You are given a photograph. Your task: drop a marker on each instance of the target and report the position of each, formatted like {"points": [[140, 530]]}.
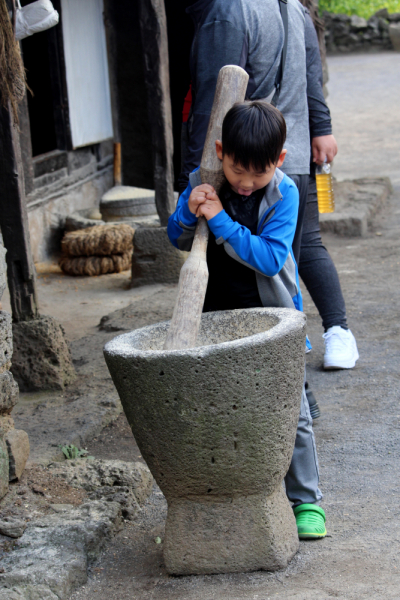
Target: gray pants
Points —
{"points": [[302, 478]]}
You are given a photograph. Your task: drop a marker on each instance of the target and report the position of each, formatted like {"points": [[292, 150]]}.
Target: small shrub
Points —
{"points": [[362, 8], [71, 452]]}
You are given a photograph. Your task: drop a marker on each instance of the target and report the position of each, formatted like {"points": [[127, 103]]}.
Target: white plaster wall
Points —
{"points": [[87, 71]]}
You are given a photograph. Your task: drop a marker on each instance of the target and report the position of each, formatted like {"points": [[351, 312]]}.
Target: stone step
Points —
{"points": [[356, 203]]}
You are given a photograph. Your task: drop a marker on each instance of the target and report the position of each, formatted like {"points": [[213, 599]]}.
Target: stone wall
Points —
{"points": [[14, 444], [64, 182], [348, 34]]}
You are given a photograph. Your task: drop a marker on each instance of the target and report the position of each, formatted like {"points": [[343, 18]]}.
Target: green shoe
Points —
{"points": [[310, 520]]}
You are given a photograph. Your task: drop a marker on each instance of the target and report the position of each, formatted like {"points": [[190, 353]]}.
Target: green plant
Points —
{"points": [[71, 452], [362, 8]]}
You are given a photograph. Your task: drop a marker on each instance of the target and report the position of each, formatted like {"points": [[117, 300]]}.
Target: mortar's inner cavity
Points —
{"points": [[215, 328]]}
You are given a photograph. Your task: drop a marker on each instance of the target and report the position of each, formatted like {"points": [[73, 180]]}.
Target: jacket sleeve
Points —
{"points": [[268, 251], [319, 115], [182, 223], [217, 44]]}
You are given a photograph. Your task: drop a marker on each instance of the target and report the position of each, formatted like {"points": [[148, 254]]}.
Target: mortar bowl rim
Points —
{"points": [[288, 319]]}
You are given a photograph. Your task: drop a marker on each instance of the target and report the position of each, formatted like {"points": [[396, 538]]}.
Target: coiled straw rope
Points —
{"points": [[97, 250]]}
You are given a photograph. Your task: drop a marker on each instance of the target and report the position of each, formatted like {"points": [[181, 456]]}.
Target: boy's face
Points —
{"points": [[244, 182]]}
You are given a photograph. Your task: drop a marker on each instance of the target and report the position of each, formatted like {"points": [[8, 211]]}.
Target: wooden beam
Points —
{"points": [[14, 223], [153, 30], [26, 144], [112, 59], [59, 83]]}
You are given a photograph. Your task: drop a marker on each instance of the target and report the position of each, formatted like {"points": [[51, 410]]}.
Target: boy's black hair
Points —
{"points": [[253, 134]]}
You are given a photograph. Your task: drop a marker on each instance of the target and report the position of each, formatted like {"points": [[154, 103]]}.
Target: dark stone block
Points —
{"points": [[49, 178], [18, 452], [383, 13], [155, 259], [373, 22], [104, 150], [383, 25], [3, 270], [47, 163], [6, 341], [41, 359], [8, 393], [342, 18], [4, 468], [79, 158]]}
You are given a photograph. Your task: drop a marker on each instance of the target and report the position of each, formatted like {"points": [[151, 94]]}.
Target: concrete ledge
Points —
{"points": [[357, 202]]}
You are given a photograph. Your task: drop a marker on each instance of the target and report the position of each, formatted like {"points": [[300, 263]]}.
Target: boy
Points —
{"points": [[250, 257]]}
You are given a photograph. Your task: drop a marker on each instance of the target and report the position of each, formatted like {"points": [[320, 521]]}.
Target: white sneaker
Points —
{"points": [[340, 348]]}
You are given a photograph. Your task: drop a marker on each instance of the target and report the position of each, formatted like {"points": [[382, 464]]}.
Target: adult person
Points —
{"points": [[250, 33], [316, 267]]}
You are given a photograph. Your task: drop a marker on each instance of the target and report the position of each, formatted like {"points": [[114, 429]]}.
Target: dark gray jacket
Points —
{"points": [[250, 33], [319, 115]]}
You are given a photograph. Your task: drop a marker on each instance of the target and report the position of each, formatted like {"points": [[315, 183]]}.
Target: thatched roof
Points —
{"points": [[12, 71]]}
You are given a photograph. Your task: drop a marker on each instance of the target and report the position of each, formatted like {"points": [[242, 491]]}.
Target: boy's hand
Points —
{"points": [[211, 207], [199, 195]]}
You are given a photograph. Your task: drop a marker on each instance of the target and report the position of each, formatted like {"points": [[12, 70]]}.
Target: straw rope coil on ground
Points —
{"points": [[97, 250], [96, 265], [100, 240]]}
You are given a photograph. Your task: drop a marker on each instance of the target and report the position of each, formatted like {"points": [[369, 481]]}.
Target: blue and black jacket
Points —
{"points": [[268, 252]]}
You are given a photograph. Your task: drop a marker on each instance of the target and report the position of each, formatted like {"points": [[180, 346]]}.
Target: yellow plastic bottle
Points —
{"points": [[325, 195]]}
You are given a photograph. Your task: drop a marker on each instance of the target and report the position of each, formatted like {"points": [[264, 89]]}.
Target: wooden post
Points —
{"points": [[14, 223], [111, 39], [153, 29], [25, 144], [117, 164]]}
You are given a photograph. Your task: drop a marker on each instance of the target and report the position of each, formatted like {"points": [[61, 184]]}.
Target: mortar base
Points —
{"points": [[228, 535]]}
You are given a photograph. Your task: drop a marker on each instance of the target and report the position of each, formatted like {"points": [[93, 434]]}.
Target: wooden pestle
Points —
{"points": [[185, 322]]}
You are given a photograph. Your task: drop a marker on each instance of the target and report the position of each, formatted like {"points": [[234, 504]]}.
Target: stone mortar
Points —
{"points": [[216, 425]]}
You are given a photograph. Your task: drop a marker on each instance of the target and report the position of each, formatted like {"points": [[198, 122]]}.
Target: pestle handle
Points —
{"points": [[185, 323], [231, 87]]}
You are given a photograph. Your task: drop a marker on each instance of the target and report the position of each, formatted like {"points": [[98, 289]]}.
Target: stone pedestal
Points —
{"points": [[155, 259], [216, 425]]}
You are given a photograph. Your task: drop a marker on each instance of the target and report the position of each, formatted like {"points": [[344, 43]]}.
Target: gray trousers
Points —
{"points": [[302, 479]]}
